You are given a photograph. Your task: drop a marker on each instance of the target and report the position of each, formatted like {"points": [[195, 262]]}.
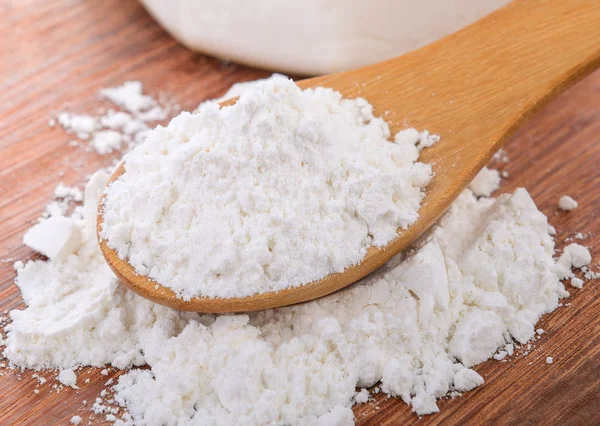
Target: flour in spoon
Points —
{"points": [[278, 190]]}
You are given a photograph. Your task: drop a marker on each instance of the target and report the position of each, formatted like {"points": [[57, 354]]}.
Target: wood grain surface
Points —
{"points": [[55, 55]]}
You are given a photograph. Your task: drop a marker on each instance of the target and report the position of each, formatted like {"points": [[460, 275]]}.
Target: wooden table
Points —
{"points": [[59, 53]]}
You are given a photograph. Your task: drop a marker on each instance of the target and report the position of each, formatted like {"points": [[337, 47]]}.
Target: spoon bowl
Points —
{"points": [[473, 88]]}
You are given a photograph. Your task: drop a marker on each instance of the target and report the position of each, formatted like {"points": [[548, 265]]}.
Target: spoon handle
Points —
{"points": [[482, 82]]}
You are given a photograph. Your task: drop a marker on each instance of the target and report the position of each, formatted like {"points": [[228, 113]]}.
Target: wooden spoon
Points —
{"points": [[473, 88]]}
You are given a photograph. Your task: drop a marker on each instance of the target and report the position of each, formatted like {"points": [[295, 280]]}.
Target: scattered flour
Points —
{"points": [[115, 129], [82, 125], [362, 396], [130, 97], [482, 278], [280, 189], [501, 156], [68, 378], [576, 282], [486, 182], [549, 360], [55, 237], [567, 203], [573, 256], [473, 289], [106, 141], [68, 193]]}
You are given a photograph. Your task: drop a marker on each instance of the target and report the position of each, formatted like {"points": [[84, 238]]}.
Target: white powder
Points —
{"points": [[414, 325], [406, 325], [362, 396], [500, 355], [68, 192], [238, 89], [501, 156], [115, 119], [81, 125], [576, 282], [111, 131], [130, 97], [567, 203], [106, 141], [75, 420], [549, 360], [280, 189], [55, 237], [486, 182], [68, 378], [574, 256]]}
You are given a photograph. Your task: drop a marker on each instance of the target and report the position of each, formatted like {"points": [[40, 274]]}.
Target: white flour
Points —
{"points": [[280, 189], [567, 203], [486, 182], [115, 130], [479, 282]]}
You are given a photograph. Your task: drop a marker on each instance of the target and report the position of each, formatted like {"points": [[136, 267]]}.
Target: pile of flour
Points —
{"points": [[280, 189], [478, 282]]}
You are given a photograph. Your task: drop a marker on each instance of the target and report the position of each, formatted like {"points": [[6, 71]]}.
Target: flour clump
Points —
{"points": [[280, 189], [567, 203]]}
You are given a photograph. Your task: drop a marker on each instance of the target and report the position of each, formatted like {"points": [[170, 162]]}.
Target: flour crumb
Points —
{"points": [[68, 378], [567, 203], [591, 275], [549, 360], [362, 396], [116, 119], [501, 156], [82, 125], [576, 256], [63, 191], [55, 237], [500, 355], [129, 96], [75, 420], [576, 282], [106, 141], [416, 138], [486, 182], [116, 130]]}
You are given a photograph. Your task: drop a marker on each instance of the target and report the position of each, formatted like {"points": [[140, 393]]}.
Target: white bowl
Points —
{"points": [[313, 36]]}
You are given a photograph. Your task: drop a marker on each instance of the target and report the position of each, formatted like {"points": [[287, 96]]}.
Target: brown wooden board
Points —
{"points": [[57, 54]]}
